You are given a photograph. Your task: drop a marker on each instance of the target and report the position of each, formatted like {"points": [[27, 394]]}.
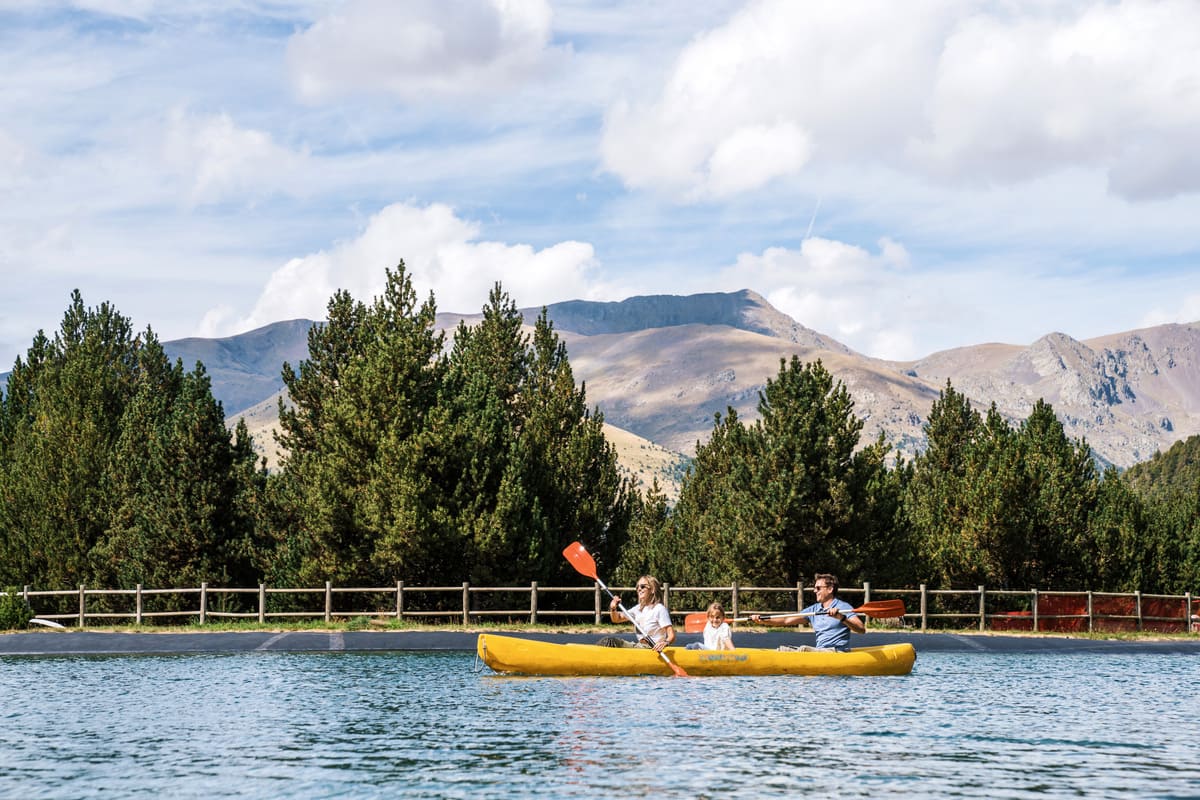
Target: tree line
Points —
{"points": [[407, 456]]}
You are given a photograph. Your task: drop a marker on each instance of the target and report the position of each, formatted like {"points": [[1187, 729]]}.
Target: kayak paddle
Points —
{"points": [[880, 609], [585, 565]]}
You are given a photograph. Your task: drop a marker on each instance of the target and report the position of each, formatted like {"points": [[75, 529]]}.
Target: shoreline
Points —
{"points": [[74, 642]]}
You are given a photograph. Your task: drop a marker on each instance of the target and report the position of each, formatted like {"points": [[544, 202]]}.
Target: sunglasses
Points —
{"points": [[641, 586]]}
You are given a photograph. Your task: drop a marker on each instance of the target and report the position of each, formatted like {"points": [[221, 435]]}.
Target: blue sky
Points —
{"points": [[904, 177]]}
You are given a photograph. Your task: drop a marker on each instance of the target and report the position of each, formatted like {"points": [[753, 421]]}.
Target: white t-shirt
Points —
{"points": [[714, 636], [652, 620]]}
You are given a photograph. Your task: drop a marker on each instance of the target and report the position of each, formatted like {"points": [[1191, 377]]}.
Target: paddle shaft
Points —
{"points": [[693, 623], [624, 611], [579, 558]]}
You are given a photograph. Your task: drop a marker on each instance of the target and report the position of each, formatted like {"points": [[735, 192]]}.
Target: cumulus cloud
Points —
{"points": [[216, 159], [839, 289], [441, 252], [963, 93], [1186, 309], [419, 49]]}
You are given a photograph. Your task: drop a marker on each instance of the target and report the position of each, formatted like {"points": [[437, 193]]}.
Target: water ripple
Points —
{"points": [[425, 725]]}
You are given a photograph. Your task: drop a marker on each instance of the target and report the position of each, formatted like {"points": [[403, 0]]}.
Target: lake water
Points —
{"points": [[422, 724]]}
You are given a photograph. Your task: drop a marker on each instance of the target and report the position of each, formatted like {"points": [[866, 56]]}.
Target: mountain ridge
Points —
{"points": [[662, 366]]}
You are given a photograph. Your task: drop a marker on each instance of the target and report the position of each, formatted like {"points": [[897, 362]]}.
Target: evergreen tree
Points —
{"points": [[650, 548], [993, 546], [406, 462], [114, 465], [63, 414], [936, 494], [567, 466], [1117, 532], [715, 532], [1061, 483], [782, 499], [177, 487], [353, 432]]}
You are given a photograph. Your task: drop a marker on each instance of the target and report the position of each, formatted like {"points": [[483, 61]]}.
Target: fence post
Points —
{"points": [[799, 596], [666, 587], [733, 608], [866, 592], [982, 610], [399, 599], [924, 608], [597, 603], [262, 603], [1187, 611], [466, 603], [1137, 598], [138, 605], [1034, 592], [328, 600], [82, 605], [203, 602], [533, 603], [1089, 602]]}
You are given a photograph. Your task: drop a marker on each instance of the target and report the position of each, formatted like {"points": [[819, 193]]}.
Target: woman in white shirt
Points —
{"points": [[650, 615]]}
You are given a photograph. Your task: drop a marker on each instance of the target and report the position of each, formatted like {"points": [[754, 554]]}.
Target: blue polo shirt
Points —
{"points": [[831, 633]]}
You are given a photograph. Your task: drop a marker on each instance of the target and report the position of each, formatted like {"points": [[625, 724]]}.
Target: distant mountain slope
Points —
{"points": [[660, 367], [1175, 472], [246, 368], [743, 310], [666, 384], [1129, 394]]}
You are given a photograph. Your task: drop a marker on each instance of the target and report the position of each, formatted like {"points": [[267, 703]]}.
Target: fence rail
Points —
{"points": [[986, 609]]}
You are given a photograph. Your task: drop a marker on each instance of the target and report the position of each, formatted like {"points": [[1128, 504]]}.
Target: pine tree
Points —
{"points": [[63, 420], [354, 432], [114, 465], [1061, 483], [716, 534], [936, 494], [781, 499]]}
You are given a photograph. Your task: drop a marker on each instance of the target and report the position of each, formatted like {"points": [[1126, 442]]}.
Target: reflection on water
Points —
{"points": [[426, 725]]}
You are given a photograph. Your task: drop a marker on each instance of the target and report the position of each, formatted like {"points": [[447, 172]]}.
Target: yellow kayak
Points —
{"points": [[511, 654]]}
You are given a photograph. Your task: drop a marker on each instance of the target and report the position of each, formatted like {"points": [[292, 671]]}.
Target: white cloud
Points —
{"points": [[834, 288], [420, 48], [752, 155], [957, 92], [441, 252], [216, 159], [1185, 309]]}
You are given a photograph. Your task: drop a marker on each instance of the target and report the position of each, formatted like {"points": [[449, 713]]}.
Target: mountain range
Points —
{"points": [[660, 368]]}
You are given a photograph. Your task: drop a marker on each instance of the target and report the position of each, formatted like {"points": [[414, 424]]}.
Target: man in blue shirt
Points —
{"points": [[832, 619]]}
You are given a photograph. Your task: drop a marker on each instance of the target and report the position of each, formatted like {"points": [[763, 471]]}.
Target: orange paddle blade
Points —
{"points": [[883, 609], [581, 560]]}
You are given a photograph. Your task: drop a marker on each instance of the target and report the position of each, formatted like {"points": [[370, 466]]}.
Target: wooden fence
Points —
{"points": [[984, 609]]}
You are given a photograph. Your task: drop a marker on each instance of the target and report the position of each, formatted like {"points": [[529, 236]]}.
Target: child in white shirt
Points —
{"points": [[717, 635]]}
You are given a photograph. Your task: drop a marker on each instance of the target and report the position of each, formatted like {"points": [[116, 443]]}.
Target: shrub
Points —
{"points": [[14, 611]]}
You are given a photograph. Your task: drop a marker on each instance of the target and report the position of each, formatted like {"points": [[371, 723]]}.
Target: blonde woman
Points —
{"points": [[649, 615]]}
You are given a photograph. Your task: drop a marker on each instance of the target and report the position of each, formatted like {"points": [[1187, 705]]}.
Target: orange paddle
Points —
{"points": [[585, 565], [880, 609]]}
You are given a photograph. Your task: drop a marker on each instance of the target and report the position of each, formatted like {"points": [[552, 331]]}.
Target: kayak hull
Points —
{"points": [[510, 654]]}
